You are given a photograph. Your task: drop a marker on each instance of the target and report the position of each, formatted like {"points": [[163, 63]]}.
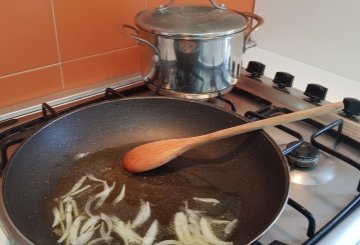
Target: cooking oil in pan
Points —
{"points": [[168, 189]]}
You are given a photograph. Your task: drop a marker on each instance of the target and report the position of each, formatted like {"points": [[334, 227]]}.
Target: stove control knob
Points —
{"points": [[283, 80], [256, 69], [351, 107], [315, 92]]}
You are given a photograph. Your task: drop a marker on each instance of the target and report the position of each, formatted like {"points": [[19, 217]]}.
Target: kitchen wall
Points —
{"points": [[322, 33], [48, 46]]}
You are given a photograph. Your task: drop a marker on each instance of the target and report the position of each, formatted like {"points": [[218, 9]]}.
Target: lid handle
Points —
{"points": [[213, 2]]}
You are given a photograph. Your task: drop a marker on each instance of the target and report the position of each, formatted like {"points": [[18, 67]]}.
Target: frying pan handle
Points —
{"points": [[213, 2], [123, 29], [259, 21]]}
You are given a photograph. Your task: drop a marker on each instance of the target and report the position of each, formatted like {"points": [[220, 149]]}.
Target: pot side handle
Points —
{"points": [[122, 28], [259, 21], [213, 2]]}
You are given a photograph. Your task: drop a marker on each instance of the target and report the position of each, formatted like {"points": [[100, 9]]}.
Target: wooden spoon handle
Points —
{"points": [[155, 154], [272, 121]]}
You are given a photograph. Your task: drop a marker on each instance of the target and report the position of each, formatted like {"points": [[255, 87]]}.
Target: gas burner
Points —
{"points": [[310, 165], [306, 156]]}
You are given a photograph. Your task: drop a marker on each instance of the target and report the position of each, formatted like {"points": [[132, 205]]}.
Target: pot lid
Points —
{"points": [[191, 21]]}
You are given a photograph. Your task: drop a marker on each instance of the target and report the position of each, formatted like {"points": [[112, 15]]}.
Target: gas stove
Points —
{"points": [[323, 152]]}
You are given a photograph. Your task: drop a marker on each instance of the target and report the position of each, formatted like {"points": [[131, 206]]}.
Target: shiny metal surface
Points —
{"points": [[193, 68], [191, 21], [213, 2], [192, 51], [323, 200], [322, 173]]}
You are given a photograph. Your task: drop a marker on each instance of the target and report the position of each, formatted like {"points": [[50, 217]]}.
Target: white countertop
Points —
{"points": [[338, 87]]}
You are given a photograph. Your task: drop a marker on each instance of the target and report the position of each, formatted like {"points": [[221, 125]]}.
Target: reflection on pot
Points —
{"points": [[197, 66]]}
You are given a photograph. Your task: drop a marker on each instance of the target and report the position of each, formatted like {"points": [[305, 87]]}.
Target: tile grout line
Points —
{"points": [[29, 70], [57, 44], [99, 54], [55, 64]]}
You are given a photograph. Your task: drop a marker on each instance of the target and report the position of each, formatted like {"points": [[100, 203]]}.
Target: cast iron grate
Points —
{"points": [[315, 237]]}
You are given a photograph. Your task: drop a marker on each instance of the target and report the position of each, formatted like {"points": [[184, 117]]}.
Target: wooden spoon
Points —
{"points": [[154, 154]]}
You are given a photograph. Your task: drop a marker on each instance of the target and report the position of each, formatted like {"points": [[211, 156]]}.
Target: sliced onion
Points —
{"points": [[219, 221], [103, 232], [69, 220], [207, 200], [62, 210], [181, 228], [97, 240], [120, 197], [168, 242], [89, 224], [93, 178], [132, 235], [57, 220], [62, 226], [104, 194], [75, 208], [119, 228], [85, 237], [209, 234], [76, 186], [90, 200], [108, 222], [143, 214], [193, 215], [151, 233], [230, 227], [69, 197], [74, 230]]}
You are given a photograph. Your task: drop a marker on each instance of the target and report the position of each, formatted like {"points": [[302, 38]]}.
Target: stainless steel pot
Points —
{"points": [[192, 51]]}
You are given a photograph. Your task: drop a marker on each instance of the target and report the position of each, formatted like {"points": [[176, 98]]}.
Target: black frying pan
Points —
{"points": [[247, 172]]}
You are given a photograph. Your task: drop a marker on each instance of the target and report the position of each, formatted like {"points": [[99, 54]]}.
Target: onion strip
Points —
{"points": [[84, 238], [93, 178], [74, 230], [89, 224], [119, 228], [143, 214], [108, 222], [76, 186], [207, 200], [102, 196], [90, 200], [97, 240], [132, 235], [168, 242], [62, 210], [120, 197], [57, 220], [103, 232], [209, 234], [181, 228], [69, 220], [75, 208], [151, 233], [69, 197], [230, 227]]}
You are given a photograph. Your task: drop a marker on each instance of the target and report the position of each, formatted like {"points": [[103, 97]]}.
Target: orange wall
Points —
{"points": [[47, 46]]}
